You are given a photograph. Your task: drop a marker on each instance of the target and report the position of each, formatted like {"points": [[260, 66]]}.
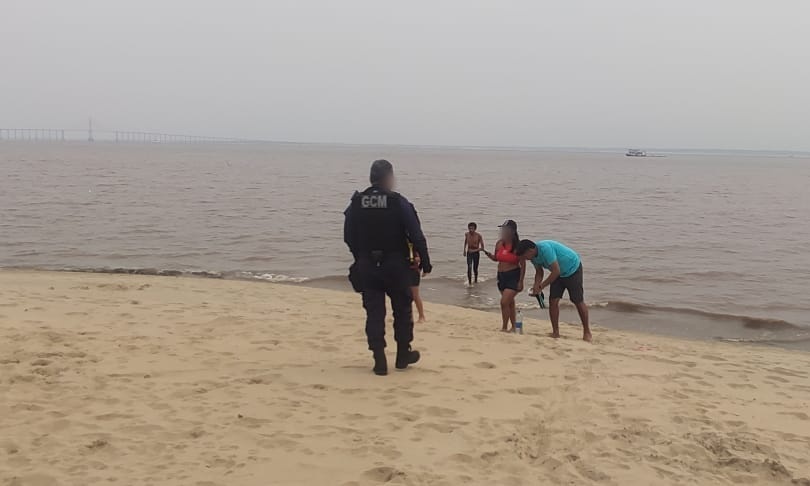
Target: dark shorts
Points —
{"points": [[414, 277], [509, 280], [572, 283]]}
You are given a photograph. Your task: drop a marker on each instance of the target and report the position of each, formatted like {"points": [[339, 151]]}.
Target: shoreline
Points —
{"points": [[131, 378], [701, 326]]}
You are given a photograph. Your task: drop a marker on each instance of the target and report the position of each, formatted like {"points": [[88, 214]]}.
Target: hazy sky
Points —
{"points": [[620, 73]]}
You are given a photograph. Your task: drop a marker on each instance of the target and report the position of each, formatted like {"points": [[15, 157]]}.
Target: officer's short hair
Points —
{"points": [[380, 169]]}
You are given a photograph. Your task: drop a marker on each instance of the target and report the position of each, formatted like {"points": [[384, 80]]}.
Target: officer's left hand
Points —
{"points": [[426, 269]]}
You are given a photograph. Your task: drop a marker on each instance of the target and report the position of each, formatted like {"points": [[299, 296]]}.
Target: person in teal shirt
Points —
{"points": [[565, 273]]}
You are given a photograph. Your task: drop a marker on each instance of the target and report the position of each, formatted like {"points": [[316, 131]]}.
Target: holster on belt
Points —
{"points": [[355, 275]]}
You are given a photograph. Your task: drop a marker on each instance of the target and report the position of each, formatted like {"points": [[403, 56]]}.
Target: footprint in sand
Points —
{"points": [[485, 365], [384, 474], [442, 428], [408, 417], [251, 422], [37, 479], [742, 385], [440, 412], [451, 367], [21, 379], [97, 444], [351, 417], [798, 415], [462, 458], [787, 372]]}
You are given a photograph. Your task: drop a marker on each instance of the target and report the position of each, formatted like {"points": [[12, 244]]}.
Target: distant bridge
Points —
{"points": [[117, 136]]}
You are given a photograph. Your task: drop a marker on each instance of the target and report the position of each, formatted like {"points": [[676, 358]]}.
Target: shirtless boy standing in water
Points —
{"points": [[473, 244]]}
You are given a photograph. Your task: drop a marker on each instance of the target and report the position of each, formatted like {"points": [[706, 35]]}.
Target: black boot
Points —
{"points": [[406, 356], [380, 362]]}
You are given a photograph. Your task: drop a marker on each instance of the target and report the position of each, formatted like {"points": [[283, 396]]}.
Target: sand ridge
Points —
{"points": [[113, 379]]}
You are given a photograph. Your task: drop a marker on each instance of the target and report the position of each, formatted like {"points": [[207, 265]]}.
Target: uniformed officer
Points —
{"points": [[379, 224]]}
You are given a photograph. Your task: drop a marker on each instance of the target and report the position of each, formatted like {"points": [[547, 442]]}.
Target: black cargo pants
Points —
{"points": [[389, 276]]}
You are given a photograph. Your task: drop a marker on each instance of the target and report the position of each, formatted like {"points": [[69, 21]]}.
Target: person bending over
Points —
{"points": [[565, 273]]}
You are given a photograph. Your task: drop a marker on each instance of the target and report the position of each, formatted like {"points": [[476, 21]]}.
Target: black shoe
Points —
{"points": [[380, 363], [406, 356]]}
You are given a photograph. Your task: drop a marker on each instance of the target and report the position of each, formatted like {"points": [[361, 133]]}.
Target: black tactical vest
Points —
{"points": [[378, 224]]}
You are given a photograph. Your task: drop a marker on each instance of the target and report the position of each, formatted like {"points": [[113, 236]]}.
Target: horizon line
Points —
{"points": [[561, 148]]}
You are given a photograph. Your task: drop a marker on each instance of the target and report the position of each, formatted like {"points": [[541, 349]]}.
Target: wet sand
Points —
{"points": [[120, 379]]}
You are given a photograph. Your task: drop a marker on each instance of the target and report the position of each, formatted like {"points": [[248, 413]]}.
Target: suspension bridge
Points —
{"points": [[90, 134]]}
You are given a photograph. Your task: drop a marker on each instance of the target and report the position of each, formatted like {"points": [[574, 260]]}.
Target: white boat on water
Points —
{"points": [[636, 153]]}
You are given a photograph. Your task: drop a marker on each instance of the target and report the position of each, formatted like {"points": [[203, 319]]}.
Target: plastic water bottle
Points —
{"points": [[519, 323]]}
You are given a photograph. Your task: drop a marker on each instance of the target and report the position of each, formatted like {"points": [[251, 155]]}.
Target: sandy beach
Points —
{"points": [[114, 379]]}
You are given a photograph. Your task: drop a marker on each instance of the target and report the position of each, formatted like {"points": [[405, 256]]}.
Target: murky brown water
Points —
{"points": [[700, 246]]}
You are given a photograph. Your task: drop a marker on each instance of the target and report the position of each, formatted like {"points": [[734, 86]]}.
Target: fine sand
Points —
{"points": [[111, 379]]}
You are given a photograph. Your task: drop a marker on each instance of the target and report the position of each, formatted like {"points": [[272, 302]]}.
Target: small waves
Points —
{"points": [[774, 342], [167, 272], [687, 277], [270, 277], [443, 288], [748, 321], [140, 271], [429, 280]]}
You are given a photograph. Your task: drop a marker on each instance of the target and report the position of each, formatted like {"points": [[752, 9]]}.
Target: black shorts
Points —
{"points": [[509, 280], [414, 277], [571, 283]]}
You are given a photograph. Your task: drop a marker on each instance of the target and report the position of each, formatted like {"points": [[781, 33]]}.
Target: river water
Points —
{"points": [[702, 246]]}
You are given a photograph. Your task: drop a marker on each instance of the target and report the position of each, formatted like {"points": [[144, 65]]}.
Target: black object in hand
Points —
{"points": [[541, 299]]}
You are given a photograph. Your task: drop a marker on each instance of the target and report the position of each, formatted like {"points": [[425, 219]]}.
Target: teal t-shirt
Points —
{"points": [[550, 251]]}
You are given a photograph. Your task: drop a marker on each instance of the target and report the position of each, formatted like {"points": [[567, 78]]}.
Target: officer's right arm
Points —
{"points": [[415, 235]]}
